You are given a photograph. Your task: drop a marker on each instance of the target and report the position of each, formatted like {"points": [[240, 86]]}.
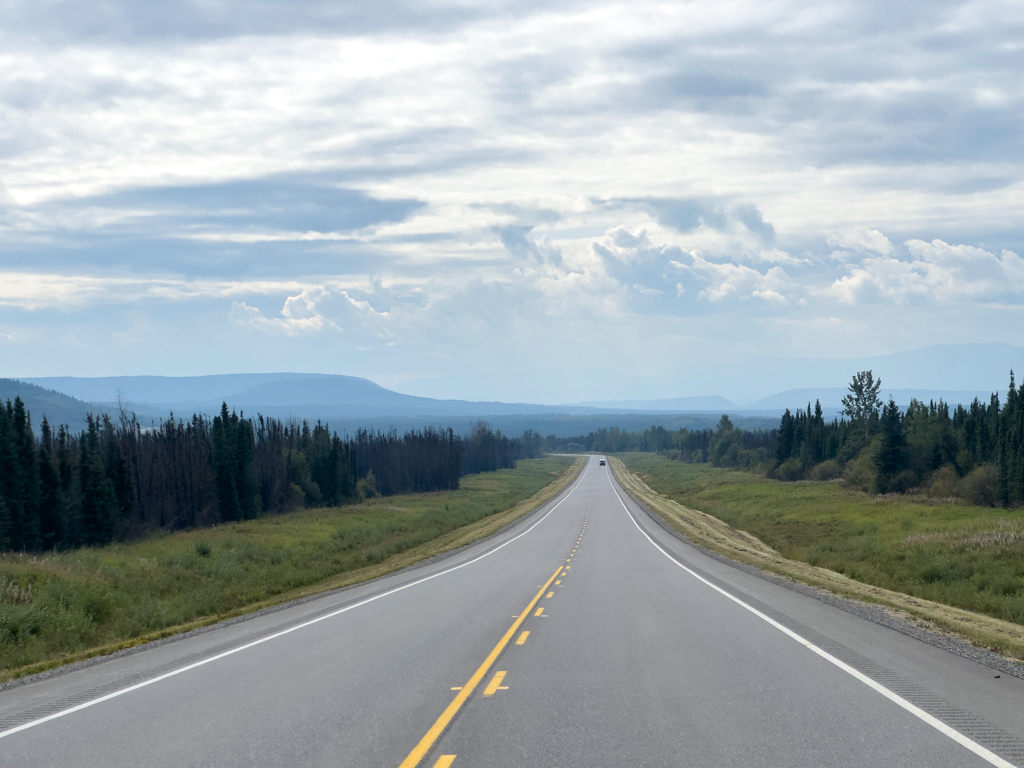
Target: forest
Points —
{"points": [[119, 481], [725, 446], [974, 452]]}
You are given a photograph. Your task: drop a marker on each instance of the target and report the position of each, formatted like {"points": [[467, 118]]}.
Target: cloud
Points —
{"points": [[864, 240], [298, 316], [60, 20], [42, 291], [721, 281], [525, 250], [936, 273], [466, 181], [267, 205], [667, 279], [689, 214]]}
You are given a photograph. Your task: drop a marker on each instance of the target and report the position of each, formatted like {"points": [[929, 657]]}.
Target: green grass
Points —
{"points": [[54, 606], [968, 557]]}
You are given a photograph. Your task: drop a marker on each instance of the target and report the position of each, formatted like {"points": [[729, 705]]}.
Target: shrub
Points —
{"points": [[367, 487], [860, 473], [203, 548], [981, 487], [790, 470], [827, 470], [903, 482], [945, 483]]}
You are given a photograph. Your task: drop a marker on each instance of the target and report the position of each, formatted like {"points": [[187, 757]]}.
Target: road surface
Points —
{"points": [[583, 636]]}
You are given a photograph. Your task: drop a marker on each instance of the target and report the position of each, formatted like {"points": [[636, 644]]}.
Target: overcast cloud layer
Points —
{"points": [[510, 201]]}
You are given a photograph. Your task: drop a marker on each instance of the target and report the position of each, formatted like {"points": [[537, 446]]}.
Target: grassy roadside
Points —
{"points": [[958, 568], [60, 608]]}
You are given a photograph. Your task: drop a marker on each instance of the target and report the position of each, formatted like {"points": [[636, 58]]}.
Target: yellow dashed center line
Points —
{"points": [[495, 684], [430, 737], [444, 761], [522, 638]]}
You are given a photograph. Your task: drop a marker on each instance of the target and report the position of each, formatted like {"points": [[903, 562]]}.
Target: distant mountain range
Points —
{"points": [[957, 373], [981, 368], [281, 394], [832, 398], [57, 407], [677, 404]]}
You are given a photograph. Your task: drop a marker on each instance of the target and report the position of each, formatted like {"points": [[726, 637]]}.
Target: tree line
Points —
{"points": [[725, 446], [116, 481], [974, 452]]}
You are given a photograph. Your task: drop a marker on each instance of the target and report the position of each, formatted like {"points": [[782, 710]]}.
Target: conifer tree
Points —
{"points": [[51, 506], [893, 456], [97, 493]]}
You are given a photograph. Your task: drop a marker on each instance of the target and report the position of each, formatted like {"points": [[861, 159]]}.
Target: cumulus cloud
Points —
{"points": [[298, 316], [936, 272], [526, 250], [639, 264], [863, 240], [721, 281], [451, 178]]}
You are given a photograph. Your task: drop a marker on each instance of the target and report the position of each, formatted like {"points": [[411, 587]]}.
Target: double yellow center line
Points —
{"points": [[431, 737]]}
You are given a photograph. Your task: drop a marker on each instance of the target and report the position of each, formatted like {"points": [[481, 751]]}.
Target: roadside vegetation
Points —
{"points": [[121, 482], [965, 556], [970, 454], [59, 606]]}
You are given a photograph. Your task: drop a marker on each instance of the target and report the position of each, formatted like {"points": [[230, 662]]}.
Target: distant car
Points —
{"points": [[602, 462]]}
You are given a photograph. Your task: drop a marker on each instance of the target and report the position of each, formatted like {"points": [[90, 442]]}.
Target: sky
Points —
{"points": [[505, 201]]}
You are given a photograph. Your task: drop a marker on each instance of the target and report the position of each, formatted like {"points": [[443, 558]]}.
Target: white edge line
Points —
{"points": [[913, 709], [303, 625]]}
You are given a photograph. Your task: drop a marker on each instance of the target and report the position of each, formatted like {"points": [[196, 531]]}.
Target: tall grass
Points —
{"points": [[58, 604], [965, 556]]}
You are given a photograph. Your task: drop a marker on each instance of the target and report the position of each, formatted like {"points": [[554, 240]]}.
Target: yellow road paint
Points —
{"points": [[540, 611], [456, 687], [550, 594], [445, 761], [430, 737], [522, 637], [558, 582], [495, 684]]}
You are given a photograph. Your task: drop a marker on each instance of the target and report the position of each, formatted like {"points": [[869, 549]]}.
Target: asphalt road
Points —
{"points": [[641, 651]]}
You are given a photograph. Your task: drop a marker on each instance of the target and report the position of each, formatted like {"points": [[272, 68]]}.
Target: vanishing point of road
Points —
{"points": [[585, 635]]}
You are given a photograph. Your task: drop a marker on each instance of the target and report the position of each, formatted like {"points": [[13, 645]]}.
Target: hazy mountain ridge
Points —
{"points": [[56, 406], [353, 401], [943, 367]]}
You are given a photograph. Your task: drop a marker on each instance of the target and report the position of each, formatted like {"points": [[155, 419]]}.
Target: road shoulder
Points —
{"points": [[995, 643]]}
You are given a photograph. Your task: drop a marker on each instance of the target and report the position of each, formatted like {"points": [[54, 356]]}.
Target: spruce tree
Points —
{"points": [[26, 445], [893, 456], [97, 494], [51, 512]]}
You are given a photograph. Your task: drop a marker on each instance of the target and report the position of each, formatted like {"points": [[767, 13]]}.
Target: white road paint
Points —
{"points": [[933, 721], [274, 636]]}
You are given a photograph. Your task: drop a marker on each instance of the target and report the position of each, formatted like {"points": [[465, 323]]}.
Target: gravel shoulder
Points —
{"points": [[993, 642]]}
